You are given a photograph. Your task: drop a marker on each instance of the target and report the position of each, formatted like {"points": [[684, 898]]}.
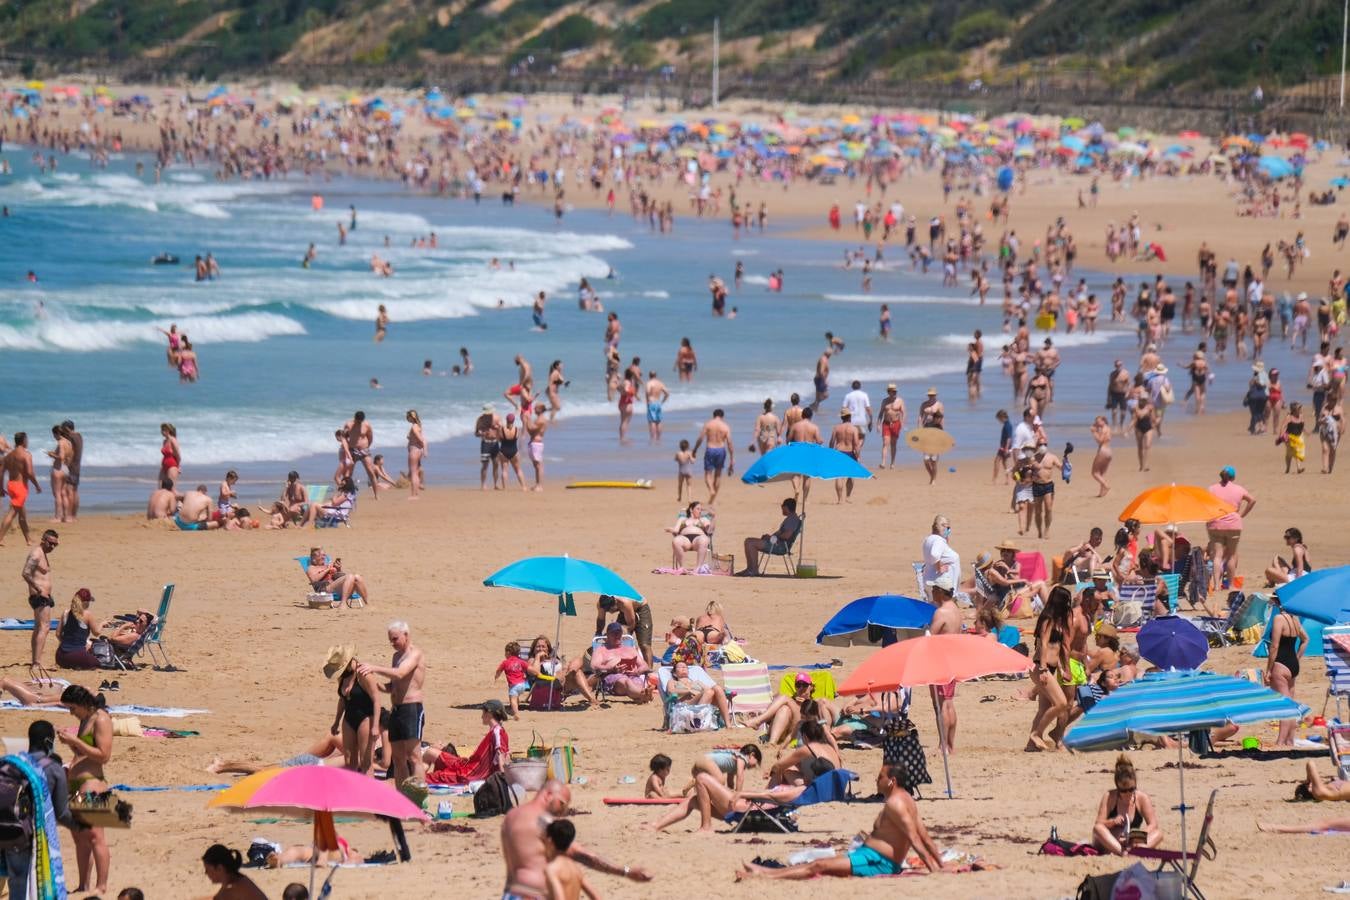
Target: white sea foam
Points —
{"points": [[906, 299], [199, 199], [755, 279], [1077, 339], [60, 332], [657, 295]]}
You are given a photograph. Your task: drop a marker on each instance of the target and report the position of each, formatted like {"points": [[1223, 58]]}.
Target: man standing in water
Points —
{"points": [[360, 438], [523, 845], [657, 395], [16, 470], [37, 574], [406, 674], [892, 425], [822, 378], [719, 453]]}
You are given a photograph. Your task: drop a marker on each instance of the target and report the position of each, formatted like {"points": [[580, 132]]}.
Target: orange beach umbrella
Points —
{"points": [[1172, 503]]}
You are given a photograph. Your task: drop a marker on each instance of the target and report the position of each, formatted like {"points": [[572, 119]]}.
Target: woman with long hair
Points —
{"points": [[417, 451], [90, 747], [1052, 663], [1125, 817]]}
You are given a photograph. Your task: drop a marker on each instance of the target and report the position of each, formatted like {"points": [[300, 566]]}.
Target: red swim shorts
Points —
{"points": [[891, 430], [18, 493]]}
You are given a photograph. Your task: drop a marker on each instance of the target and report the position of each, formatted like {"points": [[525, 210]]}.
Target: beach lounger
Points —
{"points": [[702, 712], [782, 549], [749, 681], [1031, 565], [152, 642], [832, 787], [1177, 859], [356, 599], [1338, 742], [1336, 655], [1173, 584]]}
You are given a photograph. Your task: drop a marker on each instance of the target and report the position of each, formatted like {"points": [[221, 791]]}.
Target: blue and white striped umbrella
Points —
{"points": [[1163, 703]]}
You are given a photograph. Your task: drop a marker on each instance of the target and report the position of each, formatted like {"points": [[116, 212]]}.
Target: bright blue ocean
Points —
{"points": [[286, 354]]}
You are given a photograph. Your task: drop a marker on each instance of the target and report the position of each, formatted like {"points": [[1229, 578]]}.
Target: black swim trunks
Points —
{"points": [[37, 601], [487, 450], [405, 722], [1042, 490]]}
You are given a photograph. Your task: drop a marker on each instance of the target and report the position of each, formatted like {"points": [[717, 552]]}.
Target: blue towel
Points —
{"points": [[22, 624]]}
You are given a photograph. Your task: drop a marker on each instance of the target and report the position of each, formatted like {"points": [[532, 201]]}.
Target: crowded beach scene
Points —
{"points": [[1005, 556]]}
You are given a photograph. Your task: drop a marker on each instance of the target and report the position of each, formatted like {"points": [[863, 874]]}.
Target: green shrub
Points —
{"points": [[978, 28]]}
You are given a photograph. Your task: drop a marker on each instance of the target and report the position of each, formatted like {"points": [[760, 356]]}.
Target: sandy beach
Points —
{"points": [[251, 653]]}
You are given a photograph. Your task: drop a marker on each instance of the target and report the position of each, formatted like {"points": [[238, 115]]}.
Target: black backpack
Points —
{"points": [[16, 808], [494, 798], [1097, 887]]}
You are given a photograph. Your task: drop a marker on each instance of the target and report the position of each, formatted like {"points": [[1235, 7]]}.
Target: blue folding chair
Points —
{"points": [[304, 567], [835, 786]]}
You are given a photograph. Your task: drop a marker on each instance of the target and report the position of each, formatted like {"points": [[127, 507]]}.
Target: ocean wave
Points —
{"points": [[755, 279], [199, 199], [906, 299], [657, 295], [56, 332], [1077, 339]]}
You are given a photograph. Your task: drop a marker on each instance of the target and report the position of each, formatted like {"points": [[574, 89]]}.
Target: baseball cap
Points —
{"points": [[803, 678], [1229, 471], [614, 626]]}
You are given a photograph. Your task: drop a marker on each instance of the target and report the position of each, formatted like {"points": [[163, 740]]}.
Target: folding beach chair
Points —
{"points": [[832, 787], [1218, 630], [1338, 742], [1177, 859], [356, 601], [1336, 655], [698, 675], [596, 643], [1144, 595], [153, 639], [782, 549], [333, 516], [1031, 565], [1173, 584], [749, 682]]}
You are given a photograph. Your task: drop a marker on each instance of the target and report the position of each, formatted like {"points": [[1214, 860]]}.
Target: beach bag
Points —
{"points": [[561, 757], [1135, 883], [1127, 614], [762, 820], [494, 798], [687, 718], [546, 694], [1097, 887], [16, 808], [900, 744], [103, 652], [1057, 846]]}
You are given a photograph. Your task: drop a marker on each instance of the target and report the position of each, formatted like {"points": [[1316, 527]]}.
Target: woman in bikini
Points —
{"points": [[171, 454], [767, 428], [712, 625], [692, 531], [1125, 817], [686, 362], [417, 451], [813, 757], [556, 380], [784, 713], [60, 457], [1290, 642], [1143, 429], [1101, 433], [1051, 658], [90, 748]]}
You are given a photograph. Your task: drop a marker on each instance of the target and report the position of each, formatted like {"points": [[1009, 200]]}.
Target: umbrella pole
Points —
{"points": [[942, 738], [1185, 847], [557, 651]]}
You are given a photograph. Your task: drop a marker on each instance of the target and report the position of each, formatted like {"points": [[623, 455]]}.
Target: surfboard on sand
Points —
{"points": [[931, 441], [640, 484]]}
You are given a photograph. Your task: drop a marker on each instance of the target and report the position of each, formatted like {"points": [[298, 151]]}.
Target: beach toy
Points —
{"points": [[1319, 722], [1251, 743], [930, 441]]}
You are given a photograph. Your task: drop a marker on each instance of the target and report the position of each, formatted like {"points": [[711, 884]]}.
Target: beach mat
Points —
{"points": [[23, 624], [163, 712], [643, 801]]}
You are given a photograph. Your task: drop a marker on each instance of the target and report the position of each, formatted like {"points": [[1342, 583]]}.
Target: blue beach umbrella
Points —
{"points": [[1072, 142], [873, 621], [1173, 703], [1005, 178], [807, 460], [1275, 167], [1171, 642], [1323, 595]]}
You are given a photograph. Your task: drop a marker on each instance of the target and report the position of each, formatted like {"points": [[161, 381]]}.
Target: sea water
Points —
{"points": [[287, 353]]}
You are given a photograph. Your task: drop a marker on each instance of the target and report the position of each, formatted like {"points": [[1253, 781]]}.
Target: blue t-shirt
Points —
{"points": [[1006, 435]]}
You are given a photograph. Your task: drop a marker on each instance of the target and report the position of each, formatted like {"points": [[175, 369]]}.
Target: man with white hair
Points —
{"points": [[406, 674], [941, 564]]}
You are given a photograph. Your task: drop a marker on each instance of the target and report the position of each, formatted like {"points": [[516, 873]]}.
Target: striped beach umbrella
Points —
{"points": [[1174, 703]]}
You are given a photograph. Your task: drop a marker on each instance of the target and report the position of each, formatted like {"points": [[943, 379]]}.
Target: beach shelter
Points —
{"points": [[1173, 704], [561, 577], [320, 792], [934, 660], [1323, 595], [805, 460], [1170, 504], [879, 620]]}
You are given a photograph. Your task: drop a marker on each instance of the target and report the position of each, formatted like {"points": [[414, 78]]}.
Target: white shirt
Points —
{"points": [[1023, 435], [936, 550], [859, 406]]}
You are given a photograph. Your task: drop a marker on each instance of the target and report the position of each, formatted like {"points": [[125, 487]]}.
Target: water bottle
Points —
{"points": [[443, 810]]}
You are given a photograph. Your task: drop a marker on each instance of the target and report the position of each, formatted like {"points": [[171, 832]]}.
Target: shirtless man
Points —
{"points": [[360, 438], [406, 674], [163, 501], [488, 430], [719, 452], [1043, 488], [535, 426], [524, 374], [846, 438], [892, 425], [194, 512], [804, 429], [16, 470], [1117, 389], [1047, 361], [822, 378], [37, 575], [896, 831], [526, 856], [946, 620], [657, 395]]}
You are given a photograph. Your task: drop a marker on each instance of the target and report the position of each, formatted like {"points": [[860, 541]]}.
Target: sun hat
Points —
{"points": [[1108, 629], [984, 561], [488, 407], [339, 657], [1160, 369], [932, 392], [1007, 544], [890, 387]]}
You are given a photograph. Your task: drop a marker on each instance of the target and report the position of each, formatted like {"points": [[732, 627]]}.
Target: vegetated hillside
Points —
{"points": [[1159, 43]]}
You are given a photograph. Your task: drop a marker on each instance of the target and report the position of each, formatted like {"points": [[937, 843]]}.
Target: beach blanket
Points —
{"points": [[450, 790], [163, 712], [666, 570], [23, 624], [46, 874]]}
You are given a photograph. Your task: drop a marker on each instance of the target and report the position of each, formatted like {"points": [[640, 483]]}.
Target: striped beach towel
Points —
{"points": [[46, 874], [750, 681]]}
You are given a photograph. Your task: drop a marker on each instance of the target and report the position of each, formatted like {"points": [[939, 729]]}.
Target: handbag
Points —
{"points": [[900, 744], [561, 757]]}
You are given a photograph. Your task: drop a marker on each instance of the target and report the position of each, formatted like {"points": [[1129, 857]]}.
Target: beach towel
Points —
{"points": [[451, 769], [642, 801], [23, 624], [159, 789], [822, 681], [46, 874], [163, 712], [750, 684], [666, 570]]}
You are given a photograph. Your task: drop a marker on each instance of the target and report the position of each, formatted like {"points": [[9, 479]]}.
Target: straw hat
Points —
{"points": [[984, 561], [488, 407], [1160, 369], [1008, 544], [339, 657], [932, 392]]}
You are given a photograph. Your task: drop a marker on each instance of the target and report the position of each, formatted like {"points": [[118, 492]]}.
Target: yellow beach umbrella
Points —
{"points": [[850, 119], [236, 795], [36, 85]]}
